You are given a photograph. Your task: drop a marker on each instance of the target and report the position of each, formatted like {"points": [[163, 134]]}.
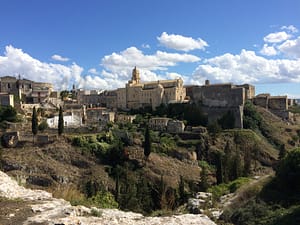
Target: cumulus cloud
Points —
{"points": [[60, 58], [121, 64], [182, 43], [290, 28], [268, 50], [246, 67], [93, 71], [291, 48], [277, 37], [15, 62]]}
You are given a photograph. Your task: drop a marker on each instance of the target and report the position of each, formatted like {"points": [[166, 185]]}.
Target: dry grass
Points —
{"points": [[69, 193]]}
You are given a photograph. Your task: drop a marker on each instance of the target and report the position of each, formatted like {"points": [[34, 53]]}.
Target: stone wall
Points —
{"points": [[215, 113]]}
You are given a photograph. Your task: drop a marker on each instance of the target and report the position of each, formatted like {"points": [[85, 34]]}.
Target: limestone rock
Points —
{"points": [[49, 210]]}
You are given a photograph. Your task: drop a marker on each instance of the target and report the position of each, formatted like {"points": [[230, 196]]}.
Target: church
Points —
{"points": [[137, 94]]}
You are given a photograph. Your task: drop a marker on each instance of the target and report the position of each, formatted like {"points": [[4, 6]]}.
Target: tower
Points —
{"points": [[135, 76]]}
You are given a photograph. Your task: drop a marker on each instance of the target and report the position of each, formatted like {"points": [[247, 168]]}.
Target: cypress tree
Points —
{"points": [[219, 168], [147, 143], [182, 195], [60, 121], [282, 151], [34, 123]]}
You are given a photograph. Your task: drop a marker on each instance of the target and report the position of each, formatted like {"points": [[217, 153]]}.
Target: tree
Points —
{"points": [[219, 168], [34, 123], [64, 94], [43, 126], [204, 185], [288, 171], [147, 143], [60, 121], [8, 113], [282, 151], [181, 192]]}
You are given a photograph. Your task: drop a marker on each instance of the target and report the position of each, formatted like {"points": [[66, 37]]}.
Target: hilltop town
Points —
{"points": [[84, 108], [209, 146]]}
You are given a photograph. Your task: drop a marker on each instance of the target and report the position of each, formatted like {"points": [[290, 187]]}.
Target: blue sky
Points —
{"points": [[96, 43]]}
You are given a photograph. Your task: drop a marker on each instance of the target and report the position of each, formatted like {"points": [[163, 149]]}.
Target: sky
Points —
{"points": [[95, 44]]}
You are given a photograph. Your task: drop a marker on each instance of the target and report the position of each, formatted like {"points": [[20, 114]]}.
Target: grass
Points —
{"points": [[227, 188]]}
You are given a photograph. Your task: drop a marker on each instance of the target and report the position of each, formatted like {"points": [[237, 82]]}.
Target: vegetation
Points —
{"points": [[8, 113], [147, 143], [43, 126], [226, 188], [278, 202], [60, 121], [34, 122]]}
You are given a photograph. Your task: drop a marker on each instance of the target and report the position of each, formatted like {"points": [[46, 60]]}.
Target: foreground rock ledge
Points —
{"points": [[49, 210]]}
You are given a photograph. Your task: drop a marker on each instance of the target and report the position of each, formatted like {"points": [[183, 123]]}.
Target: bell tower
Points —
{"points": [[135, 79]]}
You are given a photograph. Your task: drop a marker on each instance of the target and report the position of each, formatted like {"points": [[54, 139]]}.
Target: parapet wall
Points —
{"points": [[224, 95]]}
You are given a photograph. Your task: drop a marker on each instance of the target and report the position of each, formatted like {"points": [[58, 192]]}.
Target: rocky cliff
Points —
{"points": [[44, 209]]}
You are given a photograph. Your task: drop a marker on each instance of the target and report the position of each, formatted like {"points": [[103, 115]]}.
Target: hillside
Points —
{"points": [[108, 169]]}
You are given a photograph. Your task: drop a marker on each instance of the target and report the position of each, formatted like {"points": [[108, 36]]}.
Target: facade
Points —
{"points": [[278, 105], [6, 99], [166, 124], [99, 115], [137, 94], [26, 90], [123, 118], [159, 123], [70, 120], [218, 99]]}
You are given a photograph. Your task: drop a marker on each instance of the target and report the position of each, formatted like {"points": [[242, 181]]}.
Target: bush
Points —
{"points": [[43, 126], [288, 171], [104, 199]]}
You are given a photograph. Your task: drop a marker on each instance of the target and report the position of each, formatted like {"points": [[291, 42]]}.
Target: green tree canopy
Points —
{"points": [[288, 171]]}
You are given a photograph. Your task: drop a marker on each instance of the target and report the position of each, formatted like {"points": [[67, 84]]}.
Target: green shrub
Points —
{"points": [[43, 126], [104, 199]]}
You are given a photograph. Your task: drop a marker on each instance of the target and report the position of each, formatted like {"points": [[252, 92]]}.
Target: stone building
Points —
{"points": [[99, 115], [137, 94], [26, 90], [278, 105], [6, 99], [166, 124], [123, 118], [218, 99]]}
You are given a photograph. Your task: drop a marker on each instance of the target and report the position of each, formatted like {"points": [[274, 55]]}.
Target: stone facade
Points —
{"points": [[278, 105], [137, 94], [166, 124], [217, 99], [159, 123], [99, 115], [6, 99], [28, 91], [123, 118]]}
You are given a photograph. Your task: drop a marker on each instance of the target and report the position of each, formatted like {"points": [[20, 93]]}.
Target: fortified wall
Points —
{"points": [[278, 105], [217, 99]]}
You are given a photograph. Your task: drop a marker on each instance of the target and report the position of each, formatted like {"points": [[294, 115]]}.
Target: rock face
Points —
{"points": [[49, 210]]}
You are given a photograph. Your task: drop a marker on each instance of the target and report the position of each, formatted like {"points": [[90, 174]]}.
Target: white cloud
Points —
{"points": [[93, 71], [120, 65], [182, 43], [246, 67], [291, 48], [268, 50], [290, 28], [15, 61], [146, 46], [60, 58], [276, 37]]}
